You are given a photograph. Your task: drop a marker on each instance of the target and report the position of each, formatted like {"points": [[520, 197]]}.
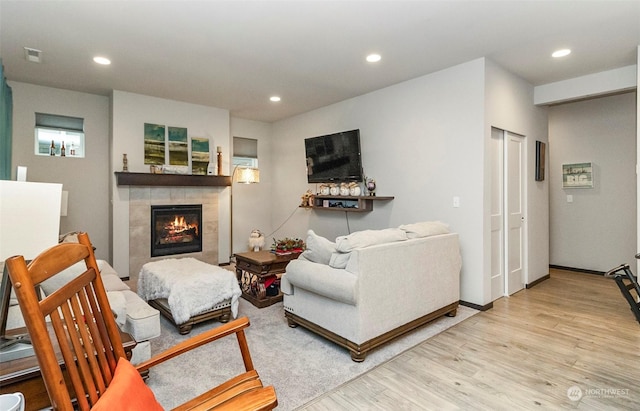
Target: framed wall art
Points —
{"points": [[178, 146], [541, 150], [577, 175], [154, 144], [199, 155]]}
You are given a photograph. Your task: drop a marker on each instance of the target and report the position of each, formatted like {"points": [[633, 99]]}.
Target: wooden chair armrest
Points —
{"points": [[261, 399], [232, 327]]}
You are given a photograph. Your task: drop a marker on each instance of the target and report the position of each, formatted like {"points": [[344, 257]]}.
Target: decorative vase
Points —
{"points": [[324, 190], [355, 191], [125, 163], [334, 190], [219, 151], [344, 189]]}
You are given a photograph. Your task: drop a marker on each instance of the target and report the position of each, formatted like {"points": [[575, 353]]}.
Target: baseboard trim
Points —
{"points": [[532, 284], [476, 306], [581, 270], [538, 281]]}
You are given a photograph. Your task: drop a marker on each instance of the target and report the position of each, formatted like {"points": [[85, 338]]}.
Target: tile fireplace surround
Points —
{"points": [[141, 198]]}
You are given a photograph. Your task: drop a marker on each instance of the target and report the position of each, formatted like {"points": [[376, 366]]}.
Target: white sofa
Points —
{"points": [[375, 285], [133, 314]]}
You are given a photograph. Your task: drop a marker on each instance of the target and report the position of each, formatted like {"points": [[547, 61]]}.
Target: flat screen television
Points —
{"points": [[334, 157]]}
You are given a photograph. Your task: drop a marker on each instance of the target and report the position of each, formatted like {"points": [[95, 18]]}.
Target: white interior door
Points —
{"points": [[514, 204], [507, 213]]}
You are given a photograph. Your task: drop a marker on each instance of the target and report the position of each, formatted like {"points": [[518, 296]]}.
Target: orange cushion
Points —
{"points": [[127, 391]]}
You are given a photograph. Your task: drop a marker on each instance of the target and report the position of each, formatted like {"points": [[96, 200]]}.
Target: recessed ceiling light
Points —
{"points": [[374, 58], [275, 99], [561, 53], [102, 60]]}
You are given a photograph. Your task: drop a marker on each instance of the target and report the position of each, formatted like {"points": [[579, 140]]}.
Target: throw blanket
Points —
{"points": [[190, 286]]}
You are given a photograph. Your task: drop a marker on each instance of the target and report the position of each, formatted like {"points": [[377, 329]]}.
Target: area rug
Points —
{"points": [[299, 364]]}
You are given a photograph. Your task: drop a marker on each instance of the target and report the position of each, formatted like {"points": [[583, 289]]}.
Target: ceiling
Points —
{"points": [[236, 54]]}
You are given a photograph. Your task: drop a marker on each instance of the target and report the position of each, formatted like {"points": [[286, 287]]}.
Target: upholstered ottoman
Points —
{"points": [[188, 291]]}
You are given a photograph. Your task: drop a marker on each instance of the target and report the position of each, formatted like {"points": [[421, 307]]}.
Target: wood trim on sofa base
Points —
{"points": [[359, 351]]}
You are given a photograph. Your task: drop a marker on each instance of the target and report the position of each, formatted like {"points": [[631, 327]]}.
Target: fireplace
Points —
{"points": [[176, 229]]}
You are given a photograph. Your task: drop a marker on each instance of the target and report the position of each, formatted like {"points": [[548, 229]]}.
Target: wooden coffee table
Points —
{"points": [[253, 268]]}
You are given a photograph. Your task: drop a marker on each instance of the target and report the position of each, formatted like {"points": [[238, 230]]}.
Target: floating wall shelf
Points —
{"points": [[346, 203]]}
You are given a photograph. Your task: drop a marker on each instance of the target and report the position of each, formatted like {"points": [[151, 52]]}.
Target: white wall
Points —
{"points": [[129, 113], [252, 203], [509, 106], [597, 230], [86, 179], [422, 140]]}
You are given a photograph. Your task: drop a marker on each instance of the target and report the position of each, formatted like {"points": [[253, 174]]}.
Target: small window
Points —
{"points": [[53, 132], [245, 152]]}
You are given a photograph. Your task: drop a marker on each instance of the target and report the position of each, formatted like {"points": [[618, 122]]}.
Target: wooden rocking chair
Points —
{"points": [[95, 365]]}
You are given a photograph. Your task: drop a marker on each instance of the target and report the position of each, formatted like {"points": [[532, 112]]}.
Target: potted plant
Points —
{"points": [[287, 246]]}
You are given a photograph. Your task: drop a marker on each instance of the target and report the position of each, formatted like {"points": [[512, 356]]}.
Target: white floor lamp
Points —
{"points": [[241, 175]]}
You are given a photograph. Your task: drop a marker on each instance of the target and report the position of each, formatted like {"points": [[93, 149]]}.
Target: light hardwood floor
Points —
{"points": [[572, 330]]}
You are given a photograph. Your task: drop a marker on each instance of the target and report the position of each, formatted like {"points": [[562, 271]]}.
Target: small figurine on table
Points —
{"points": [[256, 240]]}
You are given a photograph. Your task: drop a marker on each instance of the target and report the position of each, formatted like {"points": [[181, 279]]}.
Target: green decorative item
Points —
{"points": [[154, 144], [287, 246]]}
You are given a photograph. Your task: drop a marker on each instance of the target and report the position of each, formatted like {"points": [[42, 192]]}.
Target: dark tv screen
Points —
{"points": [[334, 157]]}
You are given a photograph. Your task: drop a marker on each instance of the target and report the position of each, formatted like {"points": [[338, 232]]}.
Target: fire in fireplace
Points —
{"points": [[176, 229]]}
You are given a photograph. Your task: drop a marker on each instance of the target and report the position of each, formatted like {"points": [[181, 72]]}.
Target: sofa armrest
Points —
{"points": [[333, 283]]}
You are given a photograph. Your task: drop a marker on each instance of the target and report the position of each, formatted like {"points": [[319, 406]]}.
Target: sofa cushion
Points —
{"points": [[319, 249], [366, 238], [425, 229], [113, 283], [62, 278], [143, 321], [118, 306], [110, 278], [339, 260]]}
